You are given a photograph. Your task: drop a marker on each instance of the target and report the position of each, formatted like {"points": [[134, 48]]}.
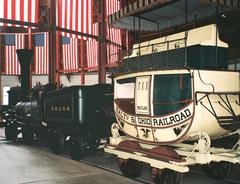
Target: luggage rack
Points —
{"points": [[231, 122], [159, 55]]}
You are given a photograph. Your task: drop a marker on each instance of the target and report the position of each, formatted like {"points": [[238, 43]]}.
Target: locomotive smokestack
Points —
{"points": [[25, 57]]}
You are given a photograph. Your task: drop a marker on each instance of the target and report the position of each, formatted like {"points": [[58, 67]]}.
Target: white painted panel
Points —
{"points": [[142, 95]]}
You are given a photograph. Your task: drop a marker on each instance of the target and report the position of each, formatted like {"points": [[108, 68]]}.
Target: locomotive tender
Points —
{"points": [[85, 113], [79, 115]]}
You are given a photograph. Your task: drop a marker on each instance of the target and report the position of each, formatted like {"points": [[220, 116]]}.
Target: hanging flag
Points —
{"points": [[112, 6], [76, 15], [20, 10], [92, 51], [12, 42], [70, 54], [113, 35], [41, 53]]}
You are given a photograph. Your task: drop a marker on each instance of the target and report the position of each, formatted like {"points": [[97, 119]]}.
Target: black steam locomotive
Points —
{"points": [[79, 115]]}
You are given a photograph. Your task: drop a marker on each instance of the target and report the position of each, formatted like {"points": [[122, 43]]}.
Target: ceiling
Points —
{"points": [[169, 15]]}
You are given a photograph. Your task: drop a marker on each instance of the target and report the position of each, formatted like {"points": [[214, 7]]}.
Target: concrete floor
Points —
{"points": [[22, 164]]}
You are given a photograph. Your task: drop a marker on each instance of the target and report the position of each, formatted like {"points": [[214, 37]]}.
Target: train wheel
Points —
{"points": [[57, 141], [77, 148], [217, 170], [11, 132], [28, 134], [41, 133], [130, 168], [166, 176]]}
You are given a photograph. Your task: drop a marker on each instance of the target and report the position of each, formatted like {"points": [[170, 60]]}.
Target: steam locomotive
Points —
{"points": [[81, 115]]}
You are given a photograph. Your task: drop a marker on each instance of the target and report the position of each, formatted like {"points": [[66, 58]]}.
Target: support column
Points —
{"points": [[102, 43], [186, 21], [30, 47], [82, 62], [1, 89], [52, 42], [57, 60]]}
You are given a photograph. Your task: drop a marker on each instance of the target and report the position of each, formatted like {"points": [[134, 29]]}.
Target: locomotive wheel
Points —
{"points": [[28, 134], [41, 133], [217, 170], [11, 132], [77, 148], [166, 176], [130, 168], [56, 141]]}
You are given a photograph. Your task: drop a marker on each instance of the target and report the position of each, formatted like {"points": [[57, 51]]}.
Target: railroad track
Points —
{"points": [[109, 163]]}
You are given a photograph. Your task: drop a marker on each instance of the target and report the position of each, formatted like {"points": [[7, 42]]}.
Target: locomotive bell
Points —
{"points": [[25, 57]]}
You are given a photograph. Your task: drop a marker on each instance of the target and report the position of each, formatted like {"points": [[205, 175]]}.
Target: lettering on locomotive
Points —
{"points": [[60, 109]]}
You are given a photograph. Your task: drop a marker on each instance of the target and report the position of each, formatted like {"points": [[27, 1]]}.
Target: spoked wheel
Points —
{"points": [[77, 148], [57, 141], [11, 132], [28, 134], [217, 170], [130, 168], [166, 176]]}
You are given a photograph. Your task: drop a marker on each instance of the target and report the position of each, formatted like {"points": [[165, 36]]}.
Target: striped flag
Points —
{"points": [[21, 10], [70, 54], [92, 51], [12, 42], [75, 15], [114, 35], [41, 53], [112, 6]]}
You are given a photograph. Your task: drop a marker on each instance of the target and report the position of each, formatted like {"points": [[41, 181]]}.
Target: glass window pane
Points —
{"points": [[171, 92]]}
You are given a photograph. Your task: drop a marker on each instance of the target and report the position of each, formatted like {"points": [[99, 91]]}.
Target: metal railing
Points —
{"points": [[159, 55]]}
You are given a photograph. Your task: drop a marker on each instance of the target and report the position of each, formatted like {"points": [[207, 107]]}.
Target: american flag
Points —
{"points": [[21, 10], [112, 6], [114, 35], [41, 53], [92, 51], [12, 42], [70, 54], [75, 15]]}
